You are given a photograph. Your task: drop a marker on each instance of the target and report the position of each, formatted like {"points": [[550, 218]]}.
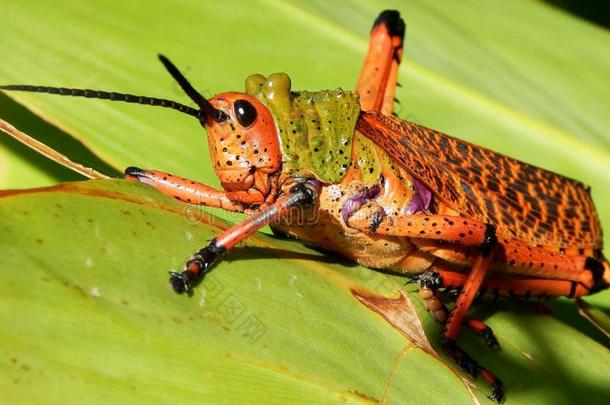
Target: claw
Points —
{"points": [[197, 266], [133, 173], [136, 174], [490, 338], [497, 392], [428, 279], [413, 280], [178, 281]]}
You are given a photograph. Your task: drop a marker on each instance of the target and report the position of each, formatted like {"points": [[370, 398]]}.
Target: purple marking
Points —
{"points": [[415, 205], [354, 203], [421, 199], [314, 183]]}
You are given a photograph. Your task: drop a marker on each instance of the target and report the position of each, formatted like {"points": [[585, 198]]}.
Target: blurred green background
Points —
{"points": [[525, 78]]}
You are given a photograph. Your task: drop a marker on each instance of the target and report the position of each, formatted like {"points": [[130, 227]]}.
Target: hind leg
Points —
{"points": [[379, 75]]}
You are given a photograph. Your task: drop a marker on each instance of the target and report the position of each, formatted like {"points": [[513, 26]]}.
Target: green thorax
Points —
{"points": [[316, 129]]}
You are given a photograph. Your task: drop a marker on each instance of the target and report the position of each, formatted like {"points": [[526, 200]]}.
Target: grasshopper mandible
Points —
{"points": [[386, 193]]}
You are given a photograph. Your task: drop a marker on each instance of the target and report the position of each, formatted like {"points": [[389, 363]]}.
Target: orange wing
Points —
{"points": [[522, 201]]}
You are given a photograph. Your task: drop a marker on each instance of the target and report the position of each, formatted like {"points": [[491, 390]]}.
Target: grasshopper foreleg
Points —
{"points": [[303, 194], [182, 189]]}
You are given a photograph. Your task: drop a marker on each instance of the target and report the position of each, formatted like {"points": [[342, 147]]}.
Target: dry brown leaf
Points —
{"points": [[49, 152]]}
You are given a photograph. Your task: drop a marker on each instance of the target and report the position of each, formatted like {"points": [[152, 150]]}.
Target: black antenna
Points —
{"points": [[190, 91], [105, 95], [206, 108]]}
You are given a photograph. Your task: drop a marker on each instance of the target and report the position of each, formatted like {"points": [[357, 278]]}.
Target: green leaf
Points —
{"points": [[99, 318], [275, 322], [535, 90]]}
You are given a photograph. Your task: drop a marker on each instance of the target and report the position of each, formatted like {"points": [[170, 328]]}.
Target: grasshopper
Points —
{"points": [[386, 193]]}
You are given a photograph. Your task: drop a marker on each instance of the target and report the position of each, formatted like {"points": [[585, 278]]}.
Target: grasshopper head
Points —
{"points": [[242, 138], [244, 145]]}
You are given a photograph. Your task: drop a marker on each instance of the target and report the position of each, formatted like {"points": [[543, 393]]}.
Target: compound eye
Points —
{"points": [[245, 112]]}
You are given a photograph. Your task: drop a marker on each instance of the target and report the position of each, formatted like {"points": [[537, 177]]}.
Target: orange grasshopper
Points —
{"points": [[386, 193]]}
